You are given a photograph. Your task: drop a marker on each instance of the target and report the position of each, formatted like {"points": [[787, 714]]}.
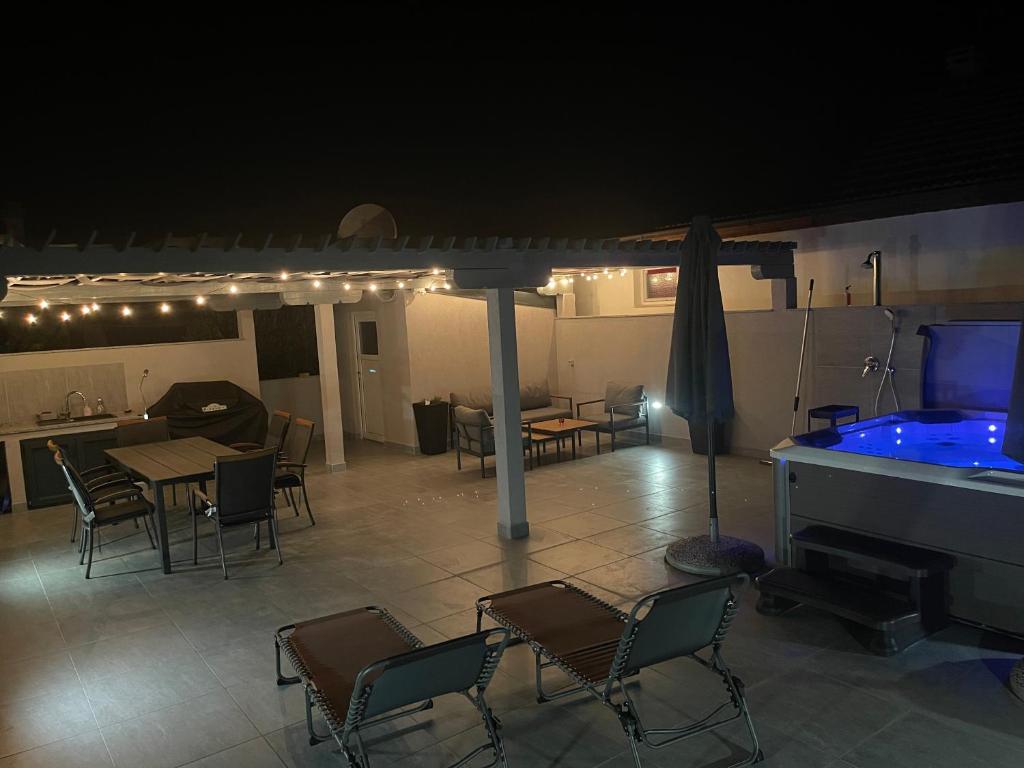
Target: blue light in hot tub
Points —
{"points": [[992, 440], [899, 430], [991, 427], [977, 463], [899, 441], [863, 434]]}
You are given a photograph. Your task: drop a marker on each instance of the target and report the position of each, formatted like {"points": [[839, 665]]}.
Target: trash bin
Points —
{"points": [[432, 426]]}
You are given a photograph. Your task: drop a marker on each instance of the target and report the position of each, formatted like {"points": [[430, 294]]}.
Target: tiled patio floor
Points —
{"points": [[140, 669]]}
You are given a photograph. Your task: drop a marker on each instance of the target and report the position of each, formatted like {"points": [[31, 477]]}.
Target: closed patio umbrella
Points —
{"points": [[699, 389]]}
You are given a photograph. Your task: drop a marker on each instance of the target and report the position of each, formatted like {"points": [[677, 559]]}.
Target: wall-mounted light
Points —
{"points": [[657, 405]]}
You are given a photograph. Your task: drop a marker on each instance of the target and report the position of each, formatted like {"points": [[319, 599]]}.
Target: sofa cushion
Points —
{"points": [[470, 423], [622, 421], [534, 396], [545, 414], [473, 399], [616, 394]]}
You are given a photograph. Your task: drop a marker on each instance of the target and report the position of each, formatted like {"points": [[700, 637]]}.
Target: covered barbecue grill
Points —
{"points": [[218, 410]]}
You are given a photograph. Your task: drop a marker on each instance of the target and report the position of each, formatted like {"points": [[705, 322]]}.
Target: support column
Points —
{"points": [[508, 439], [330, 386]]}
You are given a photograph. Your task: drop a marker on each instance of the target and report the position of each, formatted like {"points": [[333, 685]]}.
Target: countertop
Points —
{"points": [[59, 428]]}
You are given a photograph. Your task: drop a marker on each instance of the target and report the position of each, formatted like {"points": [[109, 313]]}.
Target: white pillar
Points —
{"points": [[330, 386], [501, 335]]}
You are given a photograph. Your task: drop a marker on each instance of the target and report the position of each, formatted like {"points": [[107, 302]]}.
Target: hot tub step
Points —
{"points": [[890, 624], [900, 561]]}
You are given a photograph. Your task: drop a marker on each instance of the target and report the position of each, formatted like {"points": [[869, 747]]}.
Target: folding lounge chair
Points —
{"points": [[362, 668], [597, 646]]}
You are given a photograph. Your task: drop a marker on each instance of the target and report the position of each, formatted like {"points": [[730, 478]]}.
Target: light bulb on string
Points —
{"points": [[65, 317], [165, 308], [200, 300]]}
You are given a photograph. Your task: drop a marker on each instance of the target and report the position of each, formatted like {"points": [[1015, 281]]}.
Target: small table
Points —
{"points": [[560, 429], [188, 460], [832, 414]]}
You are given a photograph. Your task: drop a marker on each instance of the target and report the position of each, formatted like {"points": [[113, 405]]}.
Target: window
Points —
{"points": [[659, 285], [286, 342], [368, 337]]}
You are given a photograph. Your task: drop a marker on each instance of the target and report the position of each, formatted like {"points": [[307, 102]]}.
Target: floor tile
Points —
{"points": [[465, 557], [438, 599], [185, 732], [85, 751], [250, 754], [633, 539], [511, 574], [584, 524], [576, 556]]}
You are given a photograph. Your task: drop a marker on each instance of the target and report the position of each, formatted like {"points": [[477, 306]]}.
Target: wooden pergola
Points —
{"points": [[316, 272]]}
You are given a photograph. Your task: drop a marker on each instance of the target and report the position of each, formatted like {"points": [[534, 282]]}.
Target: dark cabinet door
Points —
{"points": [[45, 485], [91, 446]]}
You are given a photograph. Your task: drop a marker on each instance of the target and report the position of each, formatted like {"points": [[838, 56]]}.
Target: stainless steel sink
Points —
{"points": [[73, 420]]}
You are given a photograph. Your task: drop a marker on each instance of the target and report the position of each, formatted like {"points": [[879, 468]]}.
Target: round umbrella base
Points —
{"points": [[1017, 679], [700, 556]]}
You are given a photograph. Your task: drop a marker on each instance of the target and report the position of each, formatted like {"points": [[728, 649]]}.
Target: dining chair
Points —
{"points": [[244, 494], [277, 431], [104, 504], [291, 465], [94, 478]]}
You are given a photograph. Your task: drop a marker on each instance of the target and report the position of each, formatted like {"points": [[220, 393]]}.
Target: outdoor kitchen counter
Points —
{"points": [[13, 434]]}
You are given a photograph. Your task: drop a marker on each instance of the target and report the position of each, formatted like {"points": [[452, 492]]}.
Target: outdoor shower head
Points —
{"points": [[893, 319], [874, 263], [869, 262]]}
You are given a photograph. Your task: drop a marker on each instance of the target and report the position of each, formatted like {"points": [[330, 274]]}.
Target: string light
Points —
{"points": [[165, 308], [433, 287], [232, 288], [200, 300], [346, 286], [1, 314], [86, 309], [564, 281], [437, 271], [447, 285], [609, 275], [44, 304], [95, 307], [284, 275], [316, 283], [64, 317], [401, 284], [622, 272], [126, 311], [31, 319], [373, 286]]}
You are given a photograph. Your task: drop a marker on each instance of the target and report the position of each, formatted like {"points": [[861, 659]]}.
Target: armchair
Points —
{"points": [[625, 407]]}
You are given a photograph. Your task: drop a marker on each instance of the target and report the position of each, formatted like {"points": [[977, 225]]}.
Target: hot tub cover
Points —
{"points": [[218, 410]]}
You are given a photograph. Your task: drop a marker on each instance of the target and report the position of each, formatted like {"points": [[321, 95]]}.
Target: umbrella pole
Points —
{"points": [[712, 485]]}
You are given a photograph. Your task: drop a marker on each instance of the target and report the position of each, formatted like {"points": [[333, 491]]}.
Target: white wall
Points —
{"points": [[764, 351], [448, 347], [299, 396], [232, 360]]}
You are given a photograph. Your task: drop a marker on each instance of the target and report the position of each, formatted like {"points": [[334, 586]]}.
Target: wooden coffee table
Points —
{"points": [[561, 429]]}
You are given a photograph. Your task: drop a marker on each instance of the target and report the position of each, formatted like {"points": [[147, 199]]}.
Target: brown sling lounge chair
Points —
{"points": [[597, 646], [362, 668]]}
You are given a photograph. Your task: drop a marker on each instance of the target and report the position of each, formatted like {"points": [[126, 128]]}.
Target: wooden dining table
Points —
{"points": [[187, 460]]}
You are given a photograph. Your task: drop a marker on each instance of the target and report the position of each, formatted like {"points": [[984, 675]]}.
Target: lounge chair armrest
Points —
{"points": [[106, 482], [639, 404], [246, 446], [563, 397], [197, 494], [124, 492], [589, 402]]}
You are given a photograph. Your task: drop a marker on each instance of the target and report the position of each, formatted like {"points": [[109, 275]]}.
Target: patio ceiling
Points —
{"points": [[337, 270]]}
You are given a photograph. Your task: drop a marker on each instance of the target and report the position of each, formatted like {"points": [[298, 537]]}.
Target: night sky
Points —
{"points": [[560, 127]]}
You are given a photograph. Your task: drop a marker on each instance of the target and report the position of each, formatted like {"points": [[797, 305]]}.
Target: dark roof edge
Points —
{"points": [[950, 198]]}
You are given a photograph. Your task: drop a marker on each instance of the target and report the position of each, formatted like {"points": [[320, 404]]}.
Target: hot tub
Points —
{"points": [[933, 478]]}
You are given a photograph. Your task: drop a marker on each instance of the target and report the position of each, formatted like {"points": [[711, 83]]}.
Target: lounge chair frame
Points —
{"points": [[347, 730], [612, 691]]}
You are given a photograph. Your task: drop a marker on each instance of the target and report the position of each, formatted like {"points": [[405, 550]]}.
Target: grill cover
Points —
{"points": [[193, 410]]}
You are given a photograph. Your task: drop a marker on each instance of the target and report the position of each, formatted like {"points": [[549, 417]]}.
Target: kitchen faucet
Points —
{"points": [[67, 402]]}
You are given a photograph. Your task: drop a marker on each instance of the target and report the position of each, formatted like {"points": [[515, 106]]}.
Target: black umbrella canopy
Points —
{"points": [[699, 386]]}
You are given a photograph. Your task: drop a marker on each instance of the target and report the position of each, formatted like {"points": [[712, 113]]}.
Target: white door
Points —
{"points": [[368, 375]]}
